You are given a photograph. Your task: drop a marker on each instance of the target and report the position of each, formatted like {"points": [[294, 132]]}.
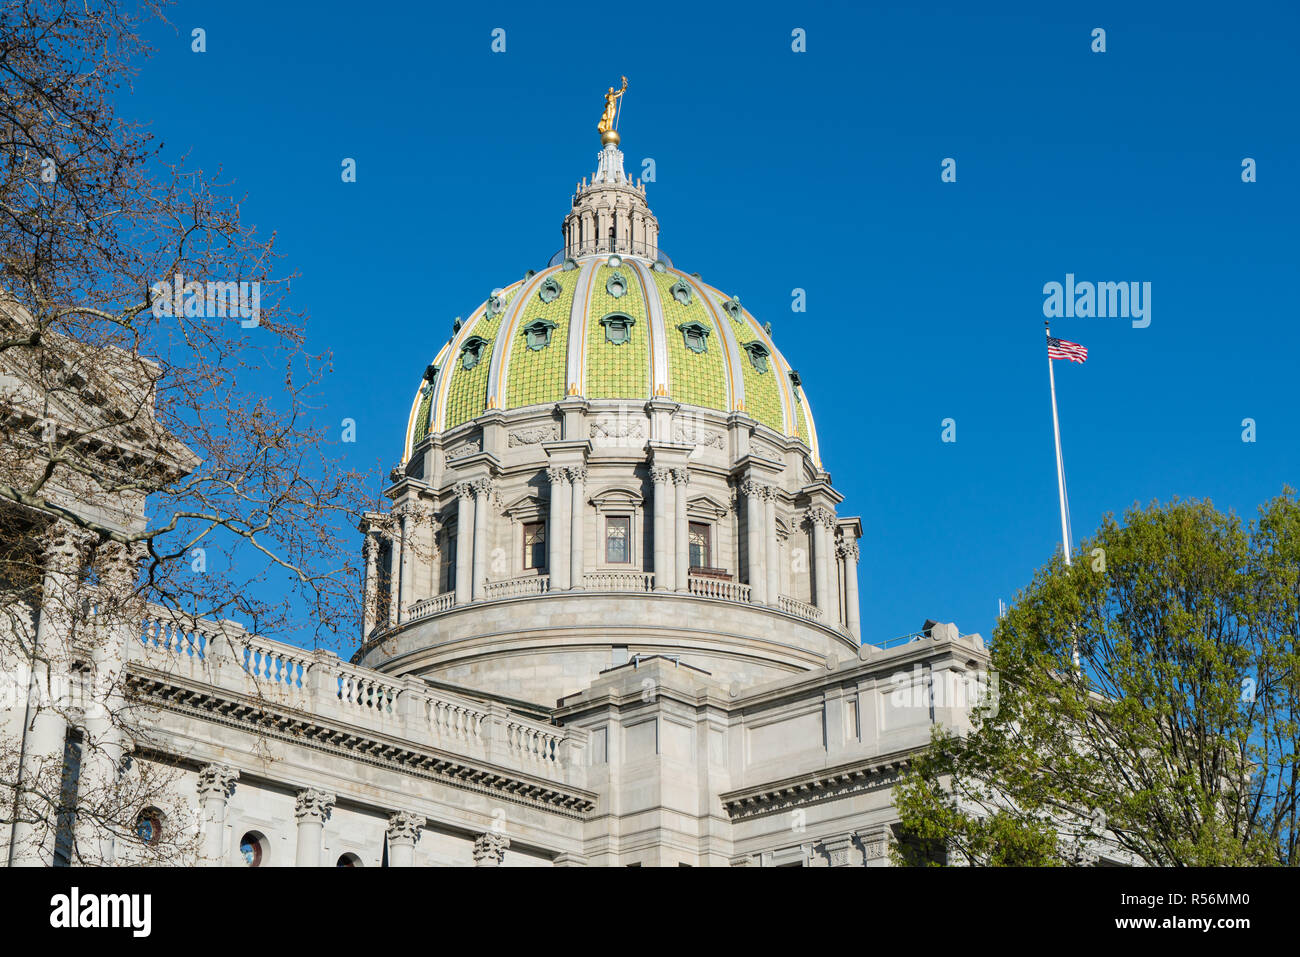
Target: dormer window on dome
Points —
{"points": [[732, 308], [758, 354], [550, 290], [696, 336], [618, 327], [681, 292], [616, 285], [538, 334], [472, 351], [496, 304]]}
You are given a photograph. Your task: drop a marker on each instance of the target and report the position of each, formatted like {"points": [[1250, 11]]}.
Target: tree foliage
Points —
{"points": [[1173, 740]]}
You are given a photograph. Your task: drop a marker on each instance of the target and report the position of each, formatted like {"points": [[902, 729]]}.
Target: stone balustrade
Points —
{"points": [[432, 606], [224, 656], [517, 587], [800, 609], [707, 587], [612, 581], [619, 581]]}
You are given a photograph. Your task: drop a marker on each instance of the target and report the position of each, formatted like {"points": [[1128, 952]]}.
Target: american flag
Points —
{"points": [[1064, 349]]}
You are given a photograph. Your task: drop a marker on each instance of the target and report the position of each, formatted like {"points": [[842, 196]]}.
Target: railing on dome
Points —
{"points": [[717, 588], [699, 583], [619, 581], [620, 247], [800, 609], [517, 587]]}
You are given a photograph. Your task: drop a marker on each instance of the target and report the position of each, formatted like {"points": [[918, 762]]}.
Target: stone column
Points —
{"points": [[117, 620], [822, 523], [662, 479], [490, 849], [435, 557], [311, 812], [394, 571], [216, 784], [406, 566], [403, 834], [756, 550], [464, 540], [848, 549], [557, 561], [773, 549], [41, 765], [578, 477], [482, 488], [370, 610], [682, 560]]}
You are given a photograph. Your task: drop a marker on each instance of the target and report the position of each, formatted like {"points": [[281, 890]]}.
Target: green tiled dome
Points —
{"points": [[610, 327]]}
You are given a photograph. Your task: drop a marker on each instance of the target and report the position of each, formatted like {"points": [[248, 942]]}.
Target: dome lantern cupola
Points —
{"points": [[610, 214]]}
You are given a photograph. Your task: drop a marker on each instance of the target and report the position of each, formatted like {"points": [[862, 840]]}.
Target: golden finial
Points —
{"points": [[609, 119]]}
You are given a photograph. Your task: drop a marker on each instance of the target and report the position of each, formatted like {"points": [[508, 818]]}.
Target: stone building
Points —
{"points": [[612, 614]]}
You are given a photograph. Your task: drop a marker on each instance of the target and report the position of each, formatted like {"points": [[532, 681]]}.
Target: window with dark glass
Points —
{"points": [[148, 825], [250, 849], [618, 539], [535, 545], [698, 539]]}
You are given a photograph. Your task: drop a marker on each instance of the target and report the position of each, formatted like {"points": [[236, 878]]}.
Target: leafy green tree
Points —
{"points": [[1147, 705]]}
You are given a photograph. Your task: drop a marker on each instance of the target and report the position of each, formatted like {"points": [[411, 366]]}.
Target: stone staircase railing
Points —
{"points": [[224, 656]]}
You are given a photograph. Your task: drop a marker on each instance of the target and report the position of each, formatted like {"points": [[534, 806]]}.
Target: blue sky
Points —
{"points": [[818, 170]]}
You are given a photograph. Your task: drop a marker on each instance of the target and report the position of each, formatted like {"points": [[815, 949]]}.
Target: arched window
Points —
{"points": [[252, 848], [148, 825], [348, 860]]}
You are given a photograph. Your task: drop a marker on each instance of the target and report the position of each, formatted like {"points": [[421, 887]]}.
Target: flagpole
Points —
{"points": [[1060, 465], [1060, 481]]}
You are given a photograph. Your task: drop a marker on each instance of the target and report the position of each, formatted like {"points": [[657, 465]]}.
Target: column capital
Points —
{"points": [[557, 475], [404, 827], [490, 849], [65, 545], [817, 515], [847, 549], [119, 563], [217, 781], [464, 490], [681, 476], [482, 486], [414, 512], [577, 473], [759, 490], [313, 806], [661, 475]]}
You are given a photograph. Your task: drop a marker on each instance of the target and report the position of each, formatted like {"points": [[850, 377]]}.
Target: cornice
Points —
{"points": [[293, 726], [813, 787]]}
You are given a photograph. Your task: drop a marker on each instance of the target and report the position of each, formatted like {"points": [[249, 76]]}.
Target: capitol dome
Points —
{"points": [[611, 320], [609, 460]]}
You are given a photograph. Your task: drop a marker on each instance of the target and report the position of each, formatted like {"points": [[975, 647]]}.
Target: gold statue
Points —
{"points": [[606, 125]]}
